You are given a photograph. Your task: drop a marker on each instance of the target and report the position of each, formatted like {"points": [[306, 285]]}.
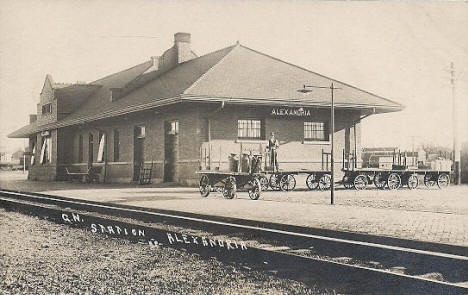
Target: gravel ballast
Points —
{"points": [[40, 257]]}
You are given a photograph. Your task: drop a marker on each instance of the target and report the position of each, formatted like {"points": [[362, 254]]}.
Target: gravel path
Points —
{"points": [[40, 257]]}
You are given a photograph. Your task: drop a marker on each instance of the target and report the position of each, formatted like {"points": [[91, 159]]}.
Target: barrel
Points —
{"points": [[233, 162]]}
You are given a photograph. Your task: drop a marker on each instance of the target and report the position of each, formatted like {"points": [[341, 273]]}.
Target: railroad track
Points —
{"points": [[346, 265]]}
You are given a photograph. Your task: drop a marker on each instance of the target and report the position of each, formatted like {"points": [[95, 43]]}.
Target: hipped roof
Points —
{"points": [[235, 74]]}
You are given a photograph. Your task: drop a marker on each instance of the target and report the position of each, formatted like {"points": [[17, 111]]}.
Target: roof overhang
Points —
{"points": [[27, 131], [367, 109], [33, 128]]}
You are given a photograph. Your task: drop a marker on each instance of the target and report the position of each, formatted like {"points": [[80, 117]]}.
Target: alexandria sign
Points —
{"points": [[290, 112]]}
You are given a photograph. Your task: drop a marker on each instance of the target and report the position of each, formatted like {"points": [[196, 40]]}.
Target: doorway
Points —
{"points": [[90, 149], [171, 149], [138, 151]]}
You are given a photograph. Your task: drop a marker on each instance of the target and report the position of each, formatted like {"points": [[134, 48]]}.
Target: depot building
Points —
{"points": [[179, 112]]}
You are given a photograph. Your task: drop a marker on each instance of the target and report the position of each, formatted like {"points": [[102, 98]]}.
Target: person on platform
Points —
{"points": [[273, 145]]}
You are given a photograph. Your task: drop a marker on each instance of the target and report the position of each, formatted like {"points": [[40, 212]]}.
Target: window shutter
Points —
{"points": [[43, 150]]}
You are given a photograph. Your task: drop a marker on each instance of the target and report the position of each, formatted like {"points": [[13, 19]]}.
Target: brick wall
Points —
{"points": [[193, 131], [122, 170], [294, 153]]}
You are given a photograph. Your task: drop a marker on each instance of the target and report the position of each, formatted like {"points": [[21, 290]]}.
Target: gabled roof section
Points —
{"points": [[254, 76], [235, 74], [48, 83], [170, 84], [159, 89]]}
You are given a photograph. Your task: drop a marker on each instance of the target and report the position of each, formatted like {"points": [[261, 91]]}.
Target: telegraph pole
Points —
{"points": [[332, 129], [456, 146]]}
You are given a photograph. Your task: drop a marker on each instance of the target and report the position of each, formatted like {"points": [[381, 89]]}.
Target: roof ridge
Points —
{"points": [[212, 67], [310, 71], [128, 69]]}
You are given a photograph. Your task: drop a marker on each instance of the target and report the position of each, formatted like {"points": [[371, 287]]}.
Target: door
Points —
{"points": [[90, 149], [138, 151], [171, 150]]}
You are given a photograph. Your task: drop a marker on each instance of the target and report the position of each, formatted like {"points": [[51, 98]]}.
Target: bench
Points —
{"points": [[91, 174], [146, 174]]}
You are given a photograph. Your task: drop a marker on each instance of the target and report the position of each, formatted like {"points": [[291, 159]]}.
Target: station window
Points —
{"points": [[47, 108], [249, 129], [315, 131]]}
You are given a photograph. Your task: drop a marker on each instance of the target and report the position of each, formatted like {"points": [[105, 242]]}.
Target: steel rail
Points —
{"points": [[345, 277], [276, 231]]}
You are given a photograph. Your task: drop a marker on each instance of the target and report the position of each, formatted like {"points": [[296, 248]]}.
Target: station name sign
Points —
{"points": [[290, 112]]}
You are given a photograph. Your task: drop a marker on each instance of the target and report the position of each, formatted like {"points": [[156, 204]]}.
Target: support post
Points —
{"points": [[355, 147]]}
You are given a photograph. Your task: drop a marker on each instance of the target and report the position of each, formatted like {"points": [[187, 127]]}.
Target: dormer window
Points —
{"points": [[47, 109], [115, 93]]}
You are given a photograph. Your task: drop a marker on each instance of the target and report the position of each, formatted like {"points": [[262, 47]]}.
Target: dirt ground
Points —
{"points": [[40, 257]]}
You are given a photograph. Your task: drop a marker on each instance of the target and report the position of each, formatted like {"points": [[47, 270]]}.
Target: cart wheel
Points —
{"points": [[287, 182], [360, 182], [443, 180], [205, 187], [325, 182], [312, 182], [230, 187], [379, 180], [274, 182], [413, 181], [254, 192], [347, 182], [263, 182], [429, 181], [393, 181]]}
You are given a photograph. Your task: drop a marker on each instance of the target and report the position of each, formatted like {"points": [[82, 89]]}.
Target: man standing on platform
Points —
{"points": [[273, 145]]}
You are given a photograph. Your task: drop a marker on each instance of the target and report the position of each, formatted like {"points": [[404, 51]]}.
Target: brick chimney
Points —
{"points": [[182, 45]]}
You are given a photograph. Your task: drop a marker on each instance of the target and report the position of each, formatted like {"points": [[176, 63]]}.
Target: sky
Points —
{"points": [[399, 50]]}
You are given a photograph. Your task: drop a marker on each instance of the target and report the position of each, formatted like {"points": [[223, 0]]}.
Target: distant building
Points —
{"points": [[6, 158], [11, 161]]}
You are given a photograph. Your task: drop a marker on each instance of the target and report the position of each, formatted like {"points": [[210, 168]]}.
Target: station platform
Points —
{"points": [[373, 212], [426, 215]]}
